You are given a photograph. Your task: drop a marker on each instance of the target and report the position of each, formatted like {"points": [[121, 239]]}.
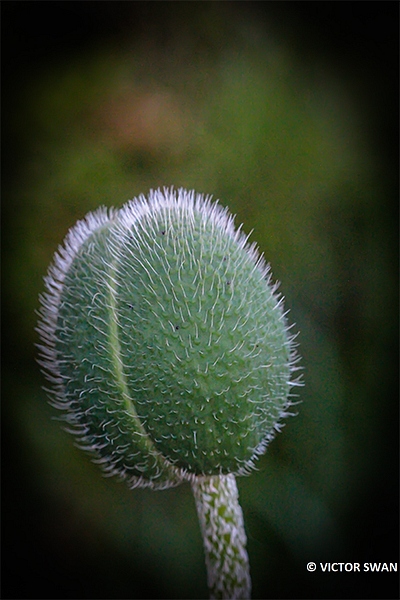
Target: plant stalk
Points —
{"points": [[224, 538]]}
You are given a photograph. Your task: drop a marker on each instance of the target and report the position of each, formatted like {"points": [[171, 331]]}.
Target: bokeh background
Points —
{"points": [[287, 113]]}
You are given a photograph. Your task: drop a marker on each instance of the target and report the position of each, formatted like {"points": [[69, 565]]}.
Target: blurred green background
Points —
{"points": [[287, 113]]}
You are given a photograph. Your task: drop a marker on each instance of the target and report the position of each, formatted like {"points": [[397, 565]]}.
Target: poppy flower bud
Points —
{"points": [[168, 350], [165, 340]]}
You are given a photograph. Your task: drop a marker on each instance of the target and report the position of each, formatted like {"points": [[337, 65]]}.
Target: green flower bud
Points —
{"points": [[165, 341]]}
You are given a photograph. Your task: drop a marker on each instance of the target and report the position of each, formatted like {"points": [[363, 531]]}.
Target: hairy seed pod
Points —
{"points": [[165, 341]]}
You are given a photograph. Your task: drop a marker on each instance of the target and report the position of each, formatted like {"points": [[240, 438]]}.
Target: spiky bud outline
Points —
{"points": [[169, 231]]}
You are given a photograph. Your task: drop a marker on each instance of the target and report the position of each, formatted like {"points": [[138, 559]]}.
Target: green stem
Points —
{"points": [[224, 538]]}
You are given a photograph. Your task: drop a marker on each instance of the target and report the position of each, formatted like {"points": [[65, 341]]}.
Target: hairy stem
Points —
{"points": [[224, 538]]}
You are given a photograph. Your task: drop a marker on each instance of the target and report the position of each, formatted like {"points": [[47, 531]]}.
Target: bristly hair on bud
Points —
{"points": [[165, 340]]}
